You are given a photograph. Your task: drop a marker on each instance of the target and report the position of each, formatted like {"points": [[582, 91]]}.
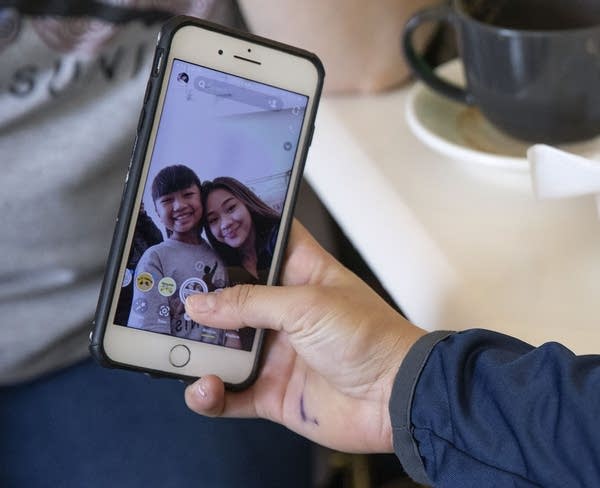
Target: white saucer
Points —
{"points": [[461, 132]]}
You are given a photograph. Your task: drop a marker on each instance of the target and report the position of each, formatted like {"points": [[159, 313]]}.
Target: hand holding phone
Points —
{"points": [[222, 141], [331, 357]]}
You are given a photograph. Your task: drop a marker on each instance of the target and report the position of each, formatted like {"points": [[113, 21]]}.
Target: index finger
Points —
{"points": [[306, 262]]}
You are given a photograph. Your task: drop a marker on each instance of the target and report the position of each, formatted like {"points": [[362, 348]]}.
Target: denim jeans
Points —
{"points": [[87, 426]]}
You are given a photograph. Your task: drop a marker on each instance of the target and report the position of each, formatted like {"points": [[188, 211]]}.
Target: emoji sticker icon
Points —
{"points": [[167, 286], [144, 281]]}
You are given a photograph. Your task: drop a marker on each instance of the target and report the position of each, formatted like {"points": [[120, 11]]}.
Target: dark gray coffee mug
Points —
{"points": [[532, 66]]}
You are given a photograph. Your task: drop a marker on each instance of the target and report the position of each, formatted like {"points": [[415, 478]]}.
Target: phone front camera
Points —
{"points": [[220, 51]]}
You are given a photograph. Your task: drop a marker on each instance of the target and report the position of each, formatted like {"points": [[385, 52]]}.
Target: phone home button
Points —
{"points": [[179, 356]]}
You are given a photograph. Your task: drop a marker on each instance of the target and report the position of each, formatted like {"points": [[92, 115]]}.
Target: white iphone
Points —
{"points": [[208, 201]]}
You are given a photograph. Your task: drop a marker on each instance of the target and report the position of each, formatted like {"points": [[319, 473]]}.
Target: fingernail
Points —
{"points": [[202, 302], [201, 389]]}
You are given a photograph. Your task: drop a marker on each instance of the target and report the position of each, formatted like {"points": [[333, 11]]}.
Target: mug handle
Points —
{"points": [[442, 13]]}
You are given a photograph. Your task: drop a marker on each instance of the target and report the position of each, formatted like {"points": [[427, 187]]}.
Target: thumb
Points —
{"points": [[263, 307]]}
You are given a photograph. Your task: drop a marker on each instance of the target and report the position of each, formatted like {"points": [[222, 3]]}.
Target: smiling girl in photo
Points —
{"points": [[181, 265], [241, 228]]}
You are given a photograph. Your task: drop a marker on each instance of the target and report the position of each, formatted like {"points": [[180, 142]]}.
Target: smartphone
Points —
{"points": [[222, 139]]}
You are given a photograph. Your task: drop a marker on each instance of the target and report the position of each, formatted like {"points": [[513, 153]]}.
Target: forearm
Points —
{"points": [[480, 405]]}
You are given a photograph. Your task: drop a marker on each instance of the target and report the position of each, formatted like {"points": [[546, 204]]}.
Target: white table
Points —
{"points": [[457, 245]]}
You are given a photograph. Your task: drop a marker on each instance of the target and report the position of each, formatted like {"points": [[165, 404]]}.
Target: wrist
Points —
{"points": [[408, 339]]}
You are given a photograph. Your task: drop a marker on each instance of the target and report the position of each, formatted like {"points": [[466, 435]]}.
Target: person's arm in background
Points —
{"points": [[357, 41], [475, 408]]}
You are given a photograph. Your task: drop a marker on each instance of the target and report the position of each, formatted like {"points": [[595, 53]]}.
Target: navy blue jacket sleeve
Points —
{"points": [[479, 408]]}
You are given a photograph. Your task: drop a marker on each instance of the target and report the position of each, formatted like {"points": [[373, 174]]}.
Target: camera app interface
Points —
{"points": [[212, 200]]}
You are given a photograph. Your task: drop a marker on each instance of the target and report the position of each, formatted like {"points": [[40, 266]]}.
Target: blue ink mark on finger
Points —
{"points": [[306, 418]]}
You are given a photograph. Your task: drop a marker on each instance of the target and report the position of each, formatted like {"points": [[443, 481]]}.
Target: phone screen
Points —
{"points": [[212, 199]]}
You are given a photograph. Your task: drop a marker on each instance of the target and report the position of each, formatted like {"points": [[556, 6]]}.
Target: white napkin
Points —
{"points": [[559, 174]]}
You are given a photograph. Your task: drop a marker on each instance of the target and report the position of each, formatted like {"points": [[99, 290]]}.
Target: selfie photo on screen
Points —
{"points": [[214, 191]]}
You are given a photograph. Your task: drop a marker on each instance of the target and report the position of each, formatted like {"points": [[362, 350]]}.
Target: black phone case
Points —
{"points": [[133, 178]]}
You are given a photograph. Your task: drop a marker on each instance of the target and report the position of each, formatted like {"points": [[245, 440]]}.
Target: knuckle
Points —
{"points": [[242, 296]]}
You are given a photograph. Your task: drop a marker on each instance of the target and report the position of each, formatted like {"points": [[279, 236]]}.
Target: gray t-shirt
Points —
{"points": [[172, 270], [71, 89]]}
